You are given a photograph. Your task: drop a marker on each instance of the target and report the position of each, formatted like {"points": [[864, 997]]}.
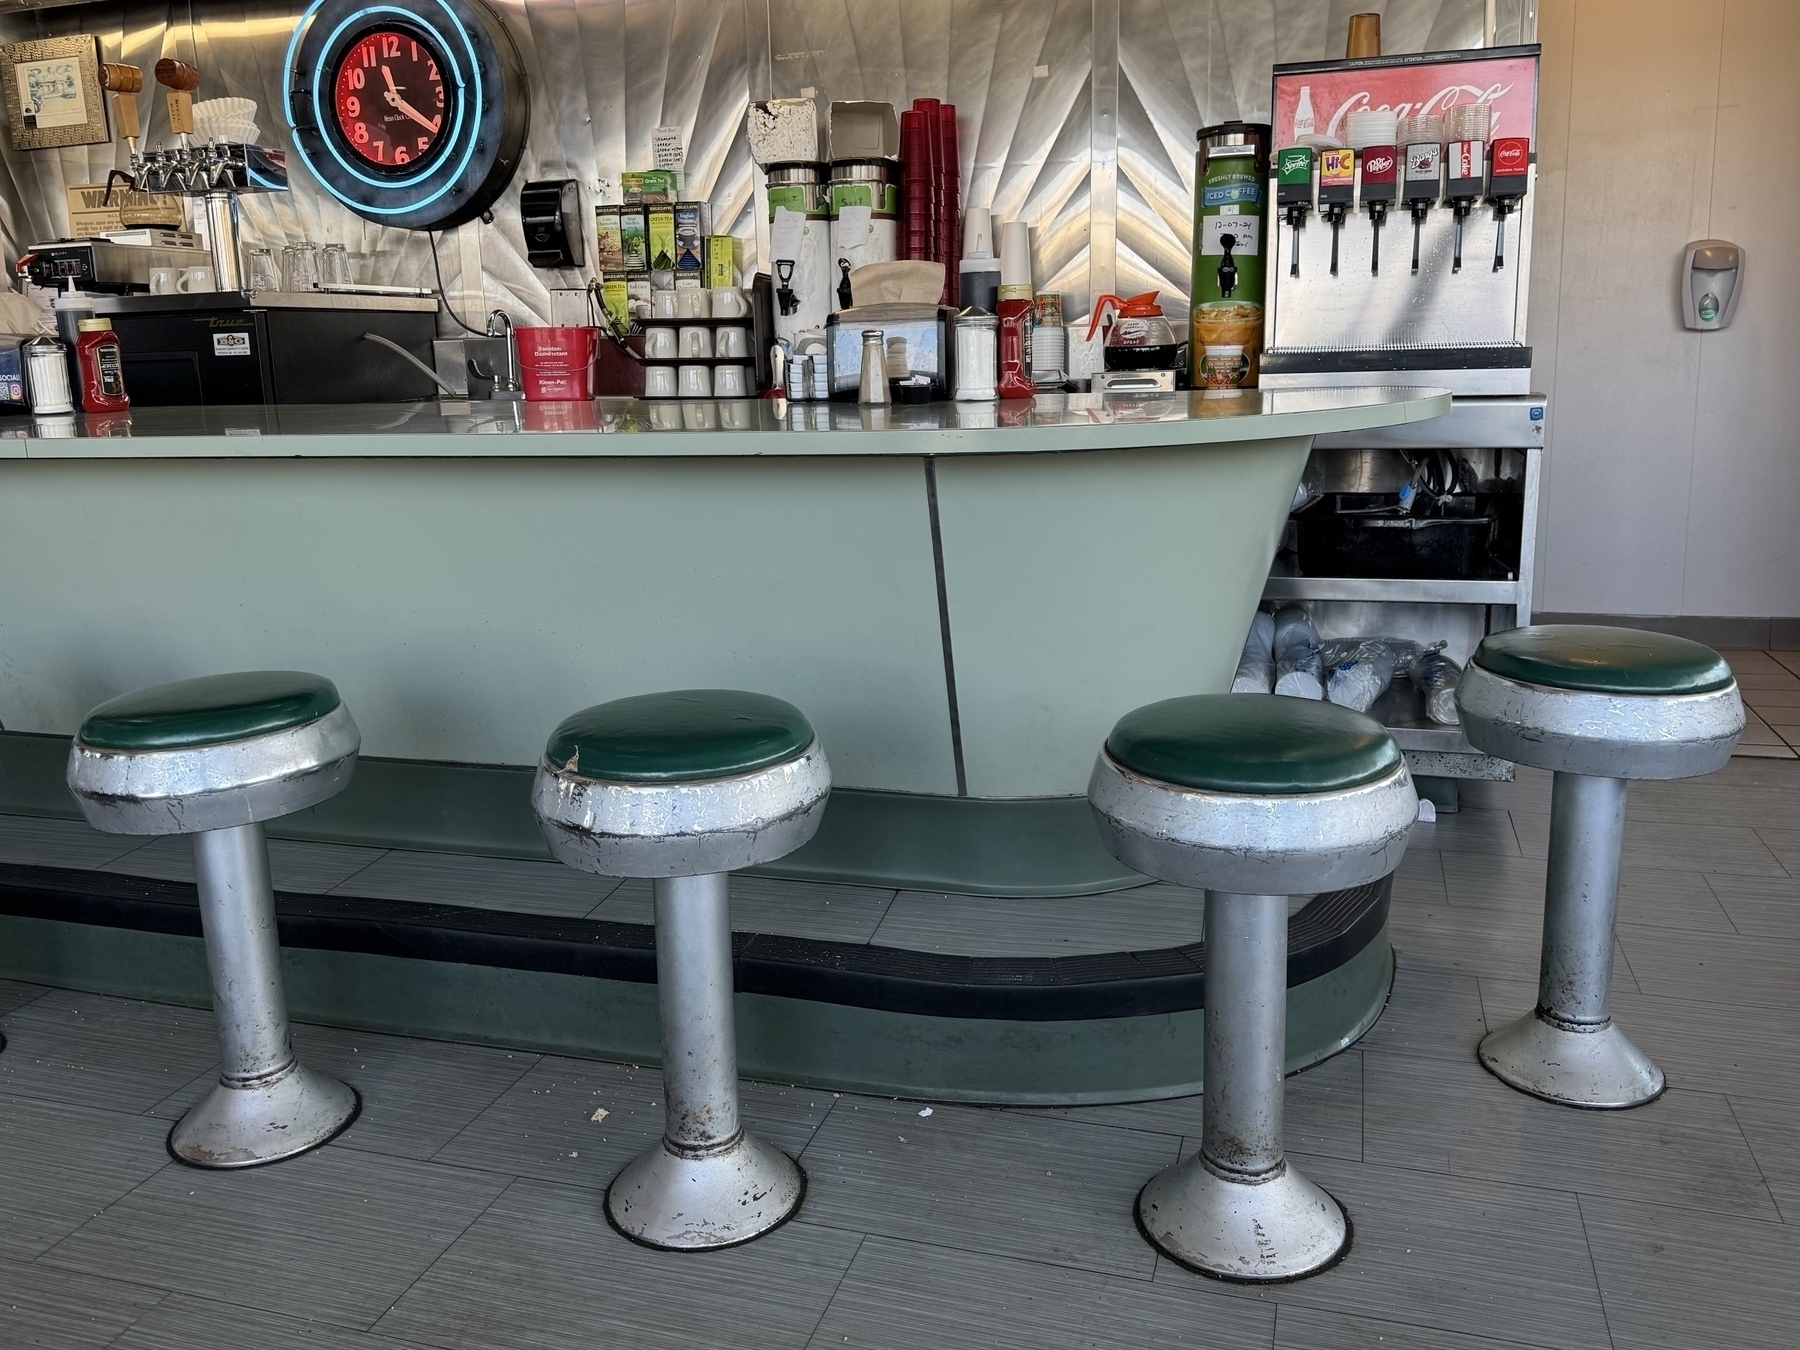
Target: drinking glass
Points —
{"points": [[262, 272], [334, 266], [300, 267]]}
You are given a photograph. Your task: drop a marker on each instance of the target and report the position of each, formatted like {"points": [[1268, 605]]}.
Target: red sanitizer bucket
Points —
{"points": [[557, 363]]}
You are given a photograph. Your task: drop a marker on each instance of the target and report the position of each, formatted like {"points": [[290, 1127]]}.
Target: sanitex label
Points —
{"points": [[234, 342]]}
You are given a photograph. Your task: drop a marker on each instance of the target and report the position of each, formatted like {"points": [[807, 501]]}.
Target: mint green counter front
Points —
{"points": [[962, 598]]}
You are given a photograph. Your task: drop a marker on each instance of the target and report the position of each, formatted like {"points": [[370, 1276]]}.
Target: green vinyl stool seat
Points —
{"points": [[684, 788], [1253, 798], [214, 758], [1597, 706]]}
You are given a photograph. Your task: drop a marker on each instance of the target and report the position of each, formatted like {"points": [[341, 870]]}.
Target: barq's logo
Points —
{"points": [[1438, 103]]}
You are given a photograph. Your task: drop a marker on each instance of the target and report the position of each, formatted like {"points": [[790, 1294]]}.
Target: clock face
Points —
{"points": [[388, 99]]}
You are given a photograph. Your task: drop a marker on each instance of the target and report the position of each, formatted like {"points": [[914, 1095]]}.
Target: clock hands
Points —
{"points": [[400, 105]]}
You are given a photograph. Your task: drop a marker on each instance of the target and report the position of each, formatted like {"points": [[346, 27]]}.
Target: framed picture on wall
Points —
{"points": [[53, 94]]}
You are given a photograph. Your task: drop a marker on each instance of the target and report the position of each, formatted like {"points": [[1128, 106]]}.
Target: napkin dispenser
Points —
{"points": [[925, 328]]}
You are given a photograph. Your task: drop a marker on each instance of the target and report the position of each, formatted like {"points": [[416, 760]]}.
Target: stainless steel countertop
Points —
{"points": [[191, 301], [632, 428]]}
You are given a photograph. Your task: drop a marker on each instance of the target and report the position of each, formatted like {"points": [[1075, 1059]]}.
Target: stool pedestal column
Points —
{"points": [[1237, 1209], [267, 1105], [707, 1184], [1567, 1049]]}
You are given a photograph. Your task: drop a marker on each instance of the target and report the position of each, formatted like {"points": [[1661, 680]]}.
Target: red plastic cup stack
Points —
{"points": [[949, 235], [917, 198]]}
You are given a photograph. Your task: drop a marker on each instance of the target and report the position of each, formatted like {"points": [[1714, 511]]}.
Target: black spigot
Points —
{"points": [[785, 299], [1421, 186], [1228, 272], [1294, 195], [844, 283], [1337, 190]]}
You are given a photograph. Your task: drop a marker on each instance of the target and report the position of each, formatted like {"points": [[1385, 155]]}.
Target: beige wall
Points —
{"points": [[1673, 470]]}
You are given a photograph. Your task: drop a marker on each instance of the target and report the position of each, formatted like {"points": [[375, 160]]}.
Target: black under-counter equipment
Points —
{"points": [[234, 348]]}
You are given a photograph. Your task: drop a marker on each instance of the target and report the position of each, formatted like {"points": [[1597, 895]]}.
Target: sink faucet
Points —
{"points": [[500, 325]]}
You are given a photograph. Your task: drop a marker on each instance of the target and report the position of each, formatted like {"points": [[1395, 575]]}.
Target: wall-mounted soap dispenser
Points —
{"points": [[1712, 275]]}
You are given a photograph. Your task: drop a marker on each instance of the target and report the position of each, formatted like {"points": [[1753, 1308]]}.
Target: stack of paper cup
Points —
{"points": [[1373, 126], [1425, 129], [1469, 122]]}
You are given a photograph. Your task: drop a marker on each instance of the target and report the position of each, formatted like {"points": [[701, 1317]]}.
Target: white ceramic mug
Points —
{"points": [[659, 344], [196, 280], [659, 381], [728, 381], [700, 416], [693, 303], [728, 302], [732, 342], [737, 416], [662, 305], [696, 344], [695, 381], [164, 280], [665, 417]]}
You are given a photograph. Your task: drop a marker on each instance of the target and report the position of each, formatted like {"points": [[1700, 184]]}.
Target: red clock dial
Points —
{"points": [[389, 99]]}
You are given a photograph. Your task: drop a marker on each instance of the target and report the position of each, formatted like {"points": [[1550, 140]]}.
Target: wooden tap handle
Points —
{"points": [[126, 109], [178, 75], [121, 79]]}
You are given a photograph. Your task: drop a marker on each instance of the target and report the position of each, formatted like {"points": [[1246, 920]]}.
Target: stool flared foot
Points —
{"points": [[1279, 1226], [1598, 1067], [243, 1125], [719, 1199]]}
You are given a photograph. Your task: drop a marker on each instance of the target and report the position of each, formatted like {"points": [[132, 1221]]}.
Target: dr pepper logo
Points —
{"points": [[1378, 165]]}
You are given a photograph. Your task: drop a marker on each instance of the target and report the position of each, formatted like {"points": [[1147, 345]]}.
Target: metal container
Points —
{"points": [[865, 219], [873, 387], [1227, 291], [800, 248], [47, 376]]}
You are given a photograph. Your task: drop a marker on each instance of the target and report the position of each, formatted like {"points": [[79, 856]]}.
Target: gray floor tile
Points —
{"points": [[543, 1125], [1420, 875], [1773, 1132], [542, 1270], [1470, 830], [1755, 971], [1323, 1110], [1428, 1014], [182, 1322], [516, 885], [1675, 1280], [1003, 1182], [1447, 938], [416, 1095], [40, 841], [63, 1164], [909, 1294], [1684, 846], [773, 905], [1714, 801], [1143, 918], [1704, 1045], [294, 865], [16, 994], [53, 1308], [334, 1235], [1760, 907], [1529, 790], [1312, 1329], [1785, 845], [107, 1052], [1462, 1256], [1514, 887], [1456, 1118]]}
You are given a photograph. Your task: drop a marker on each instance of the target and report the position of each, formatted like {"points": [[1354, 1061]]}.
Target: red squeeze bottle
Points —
{"points": [[101, 362]]}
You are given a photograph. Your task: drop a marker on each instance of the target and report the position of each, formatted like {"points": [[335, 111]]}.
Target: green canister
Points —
{"points": [[1231, 175]]}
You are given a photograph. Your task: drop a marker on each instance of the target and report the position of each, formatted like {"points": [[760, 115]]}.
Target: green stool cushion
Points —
{"points": [[1591, 659], [1255, 744], [209, 711], [673, 737]]}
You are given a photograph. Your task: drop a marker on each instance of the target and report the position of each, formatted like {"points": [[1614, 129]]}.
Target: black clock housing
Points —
{"points": [[364, 83]]}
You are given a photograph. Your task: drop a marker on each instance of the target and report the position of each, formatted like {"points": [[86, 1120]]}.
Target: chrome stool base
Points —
{"points": [[239, 1125], [684, 1203], [1277, 1227], [1598, 1068]]}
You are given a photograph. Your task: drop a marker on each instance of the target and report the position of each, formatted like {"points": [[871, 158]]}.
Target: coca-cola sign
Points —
{"points": [[1511, 154], [1507, 84]]}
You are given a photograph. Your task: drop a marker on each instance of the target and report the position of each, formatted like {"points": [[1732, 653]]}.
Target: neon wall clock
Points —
{"points": [[412, 113]]}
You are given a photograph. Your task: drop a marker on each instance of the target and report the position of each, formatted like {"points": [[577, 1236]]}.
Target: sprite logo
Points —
{"points": [[1295, 162]]}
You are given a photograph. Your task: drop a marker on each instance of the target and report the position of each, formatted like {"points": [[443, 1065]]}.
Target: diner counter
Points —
{"points": [[961, 613], [636, 428]]}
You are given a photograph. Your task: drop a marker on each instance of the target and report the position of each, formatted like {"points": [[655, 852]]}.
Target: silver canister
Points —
{"points": [[47, 376], [874, 387]]}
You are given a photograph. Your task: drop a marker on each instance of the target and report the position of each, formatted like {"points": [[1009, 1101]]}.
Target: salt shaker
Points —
{"points": [[874, 388]]}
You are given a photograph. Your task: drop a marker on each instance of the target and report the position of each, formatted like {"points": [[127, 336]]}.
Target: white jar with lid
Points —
{"points": [[977, 355]]}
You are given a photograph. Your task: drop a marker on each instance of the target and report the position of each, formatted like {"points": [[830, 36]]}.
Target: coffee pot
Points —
{"points": [[1138, 338]]}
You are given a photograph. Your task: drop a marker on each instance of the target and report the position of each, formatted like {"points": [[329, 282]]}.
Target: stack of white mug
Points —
{"points": [[697, 344]]}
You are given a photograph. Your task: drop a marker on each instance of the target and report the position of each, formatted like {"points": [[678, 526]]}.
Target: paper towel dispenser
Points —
{"points": [[1712, 274]]}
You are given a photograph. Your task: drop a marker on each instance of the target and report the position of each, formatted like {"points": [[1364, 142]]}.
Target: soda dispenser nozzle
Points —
{"points": [[1337, 190], [1509, 165], [1380, 181], [1421, 185], [1467, 170], [1294, 195]]}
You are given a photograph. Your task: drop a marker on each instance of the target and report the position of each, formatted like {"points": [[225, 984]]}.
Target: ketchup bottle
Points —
{"points": [[102, 366]]}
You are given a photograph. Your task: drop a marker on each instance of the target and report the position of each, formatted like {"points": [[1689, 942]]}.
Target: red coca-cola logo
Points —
{"points": [[1510, 154], [1376, 165]]}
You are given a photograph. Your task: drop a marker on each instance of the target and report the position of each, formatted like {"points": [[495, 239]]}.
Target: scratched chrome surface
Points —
{"points": [[1077, 114]]}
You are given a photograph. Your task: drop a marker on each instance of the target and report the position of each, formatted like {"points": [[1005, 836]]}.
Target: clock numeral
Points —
{"points": [[352, 106], [440, 95], [400, 155], [424, 144], [430, 68], [390, 45], [356, 78], [415, 53], [361, 134], [381, 151], [368, 54]]}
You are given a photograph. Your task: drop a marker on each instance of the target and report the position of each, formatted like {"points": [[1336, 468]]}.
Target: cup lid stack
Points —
{"points": [[1469, 122], [1425, 129], [1374, 126]]}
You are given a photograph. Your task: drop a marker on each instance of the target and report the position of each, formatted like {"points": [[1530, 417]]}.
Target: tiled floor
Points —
{"points": [[463, 1208], [1771, 685]]}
